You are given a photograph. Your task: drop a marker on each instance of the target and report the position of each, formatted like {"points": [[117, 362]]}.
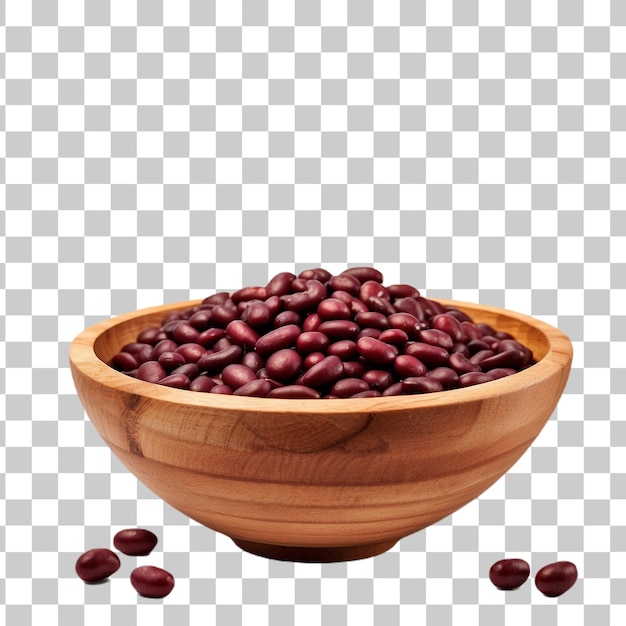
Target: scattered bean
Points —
{"points": [[152, 582], [509, 573], [556, 578], [135, 541], [97, 564]]}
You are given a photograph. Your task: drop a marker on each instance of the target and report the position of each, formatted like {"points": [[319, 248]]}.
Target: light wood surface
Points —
{"points": [[319, 480]]}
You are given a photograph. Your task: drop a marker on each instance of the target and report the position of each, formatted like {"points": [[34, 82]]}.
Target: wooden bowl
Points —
{"points": [[319, 480]]}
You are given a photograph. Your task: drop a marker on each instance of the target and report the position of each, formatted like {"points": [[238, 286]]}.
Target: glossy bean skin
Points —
{"points": [[376, 351], [461, 364], [432, 356], [448, 324], [406, 365], [473, 378], [280, 284], [364, 274], [395, 336], [191, 352], [345, 349], [500, 372], [312, 341], [353, 369], [151, 335], [236, 374], [436, 337], [294, 391], [185, 333], [378, 379], [277, 339], [421, 384], [339, 329], [346, 283], [202, 384], [333, 309], [222, 389], [241, 334], [509, 574], [445, 375], [348, 387], [326, 372], [284, 364], [171, 360], [253, 360], [97, 564], [125, 361], [152, 582], [141, 351], [217, 361], [209, 337], [151, 372], [257, 315], [508, 358], [556, 578], [258, 388], [178, 381], [372, 319], [249, 293], [287, 317], [135, 541], [191, 370]]}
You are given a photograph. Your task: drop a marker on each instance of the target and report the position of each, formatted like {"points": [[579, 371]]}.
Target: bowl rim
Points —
{"points": [[83, 358]]}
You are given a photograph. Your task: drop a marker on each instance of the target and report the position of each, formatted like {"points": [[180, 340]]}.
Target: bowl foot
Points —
{"points": [[306, 554]]}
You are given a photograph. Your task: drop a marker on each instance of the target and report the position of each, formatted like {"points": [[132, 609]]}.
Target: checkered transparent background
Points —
{"points": [[157, 150]]}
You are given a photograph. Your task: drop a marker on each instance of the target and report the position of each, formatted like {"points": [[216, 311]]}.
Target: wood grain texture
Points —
{"points": [[319, 479]]}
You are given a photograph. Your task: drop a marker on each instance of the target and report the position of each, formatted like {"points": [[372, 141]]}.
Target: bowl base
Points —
{"points": [[306, 554]]}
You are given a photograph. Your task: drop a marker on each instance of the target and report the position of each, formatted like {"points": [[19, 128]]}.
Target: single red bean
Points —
{"points": [[315, 273], [258, 388], [275, 305], [221, 389], [287, 317], [347, 387], [280, 284], [165, 345], [202, 383], [312, 341], [378, 379], [235, 375], [485, 329], [222, 344], [190, 370], [201, 320], [253, 360], [448, 324], [402, 291], [364, 274], [344, 296], [431, 307], [461, 364], [445, 375], [135, 541], [509, 574], [97, 564], [301, 302], [477, 345], [216, 361], [285, 364], [372, 319], [379, 305], [151, 335], [294, 391], [241, 334], [124, 361], [353, 369], [209, 337], [311, 323], [222, 315], [461, 348], [185, 333], [370, 393], [510, 358], [376, 351], [152, 582], [405, 322], [458, 314], [436, 337], [191, 352], [412, 306], [556, 578], [249, 293], [396, 336], [406, 365], [500, 372], [316, 290], [312, 358], [277, 339], [326, 372], [345, 283], [345, 349], [178, 381], [333, 309], [339, 329], [473, 378], [151, 372], [421, 384], [257, 315], [480, 356], [395, 389], [372, 289], [172, 316], [217, 298]]}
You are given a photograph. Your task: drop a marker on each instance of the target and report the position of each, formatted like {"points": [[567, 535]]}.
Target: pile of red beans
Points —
{"points": [[318, 335]]}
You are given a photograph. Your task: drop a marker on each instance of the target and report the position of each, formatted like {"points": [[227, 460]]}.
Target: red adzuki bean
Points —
{"points": [[97, 564], [135, 541], [338, 336], [509, 574], [556, 578], [152, 582]]}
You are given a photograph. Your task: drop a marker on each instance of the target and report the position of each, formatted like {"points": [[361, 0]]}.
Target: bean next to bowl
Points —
{"points": [[318, 335]]}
